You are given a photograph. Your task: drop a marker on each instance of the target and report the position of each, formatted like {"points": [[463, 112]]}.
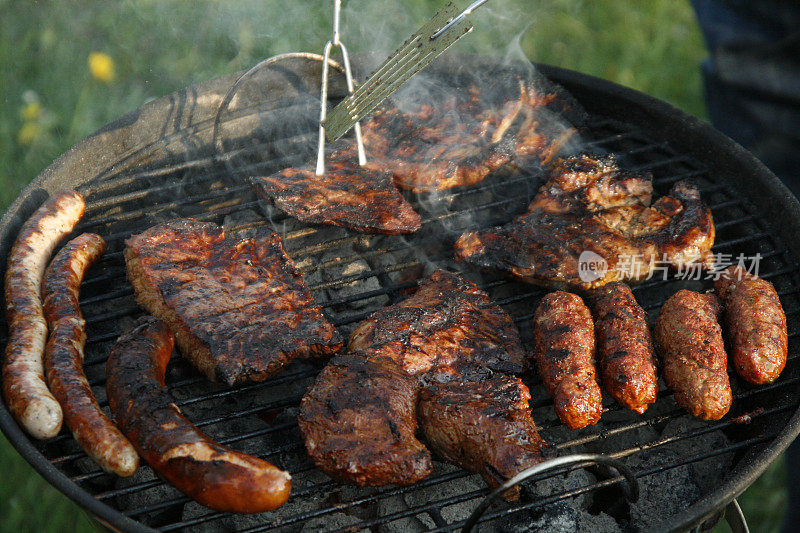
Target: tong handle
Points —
{"points": [[632, 494], [323, 106], [458, 18]]}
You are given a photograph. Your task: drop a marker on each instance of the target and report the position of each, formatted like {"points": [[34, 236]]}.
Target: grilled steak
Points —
{"points": [[483, 424], [360, 198], [239, 308], [359, 420], [601, 216], [457, 136], [755, 323], [448, 335], [447, 324]]}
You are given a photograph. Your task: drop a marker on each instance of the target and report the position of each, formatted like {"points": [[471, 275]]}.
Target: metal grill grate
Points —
{"points": [[352, 275]]}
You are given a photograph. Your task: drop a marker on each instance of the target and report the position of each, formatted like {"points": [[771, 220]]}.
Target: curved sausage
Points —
{"points": [[24, 389], [689, 339], [209, 473], [624, 347], [63, 358], [755, 324], [564, 352]]}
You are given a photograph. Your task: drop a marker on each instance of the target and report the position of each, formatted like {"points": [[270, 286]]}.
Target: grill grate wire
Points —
{"points": [[122, 204]]}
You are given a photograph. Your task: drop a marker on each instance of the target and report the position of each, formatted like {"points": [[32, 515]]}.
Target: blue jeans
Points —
{"points": [[752, 78]]}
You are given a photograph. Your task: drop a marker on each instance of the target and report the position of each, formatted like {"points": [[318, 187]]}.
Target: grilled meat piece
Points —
{"points": [[239, 308], [209, 473], [689, 340], [457, 136], [449, 322], [755, 324], [624, 347], [359, 420], [24, 388], [482, 424], [606, 220], [447, 334], [63, 359], [348, 195], [564, 352]]}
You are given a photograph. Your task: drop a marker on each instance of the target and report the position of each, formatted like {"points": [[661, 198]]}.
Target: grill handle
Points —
{"points": [[632, 494]]}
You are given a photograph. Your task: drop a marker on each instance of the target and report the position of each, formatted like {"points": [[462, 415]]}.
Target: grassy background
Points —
{"points": [[49, 100]]}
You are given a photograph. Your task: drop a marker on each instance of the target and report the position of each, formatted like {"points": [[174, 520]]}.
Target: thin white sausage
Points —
{"points": [[24, 389]]}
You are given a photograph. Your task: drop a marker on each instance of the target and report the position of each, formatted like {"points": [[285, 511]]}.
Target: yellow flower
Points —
{"points": [[101, 66], [31, 111], [28, 133]]}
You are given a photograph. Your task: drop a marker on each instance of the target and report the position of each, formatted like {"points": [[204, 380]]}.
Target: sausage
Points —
{"points": [[24, 388], [689, 340], [624, 347], [209, 473], [755, 325], [564, 352], [63, 358]]}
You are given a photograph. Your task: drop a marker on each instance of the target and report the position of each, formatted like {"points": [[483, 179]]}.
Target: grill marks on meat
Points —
{"points": [[454, 347], [446, 324], [755, 324], [624, 346], [689, 340], [564, 348], [348, 195], [458, 137], [24, 388], [239, 308], [211, 474], [589, 206], [482, 424], [63, 361], [359, 421]]}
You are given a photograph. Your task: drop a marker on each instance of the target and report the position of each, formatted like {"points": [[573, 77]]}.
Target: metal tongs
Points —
{"points": [[428, 43], [323, 105]]}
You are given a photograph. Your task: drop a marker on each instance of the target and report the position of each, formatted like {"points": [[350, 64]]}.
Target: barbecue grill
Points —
{"points": [[176, 157]]}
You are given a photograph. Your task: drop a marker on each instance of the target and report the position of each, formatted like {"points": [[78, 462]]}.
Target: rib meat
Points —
{"points": [[599, 213], [348, 195], [456, 349], [239, 308], [457, 136]]}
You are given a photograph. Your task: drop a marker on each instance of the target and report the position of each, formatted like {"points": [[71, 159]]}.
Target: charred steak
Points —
{"points": [[359, 421], [457, 137], [596, 213], [456, 349], [239, 308], [348, 195]]}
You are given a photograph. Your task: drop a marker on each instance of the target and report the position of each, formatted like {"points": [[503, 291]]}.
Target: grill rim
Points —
{"points": [[606, 98]]}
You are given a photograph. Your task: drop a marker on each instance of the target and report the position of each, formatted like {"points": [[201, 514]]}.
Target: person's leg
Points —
{"points": [[752, 78]]}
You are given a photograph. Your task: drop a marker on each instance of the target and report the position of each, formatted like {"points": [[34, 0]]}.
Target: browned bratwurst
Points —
{"points": [[564, 352], [624, 347], [63, 359], [211, 474], [689, 339], [755, 324], [24, 388]]}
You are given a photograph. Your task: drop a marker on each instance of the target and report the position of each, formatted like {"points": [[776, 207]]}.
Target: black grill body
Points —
{"points": [[171, 158]]}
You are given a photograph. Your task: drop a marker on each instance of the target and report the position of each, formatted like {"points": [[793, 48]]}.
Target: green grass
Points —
{"points": [[159, 46]]}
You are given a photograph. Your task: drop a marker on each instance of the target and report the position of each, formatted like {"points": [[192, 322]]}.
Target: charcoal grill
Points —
{"points": [[170, 159]]}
